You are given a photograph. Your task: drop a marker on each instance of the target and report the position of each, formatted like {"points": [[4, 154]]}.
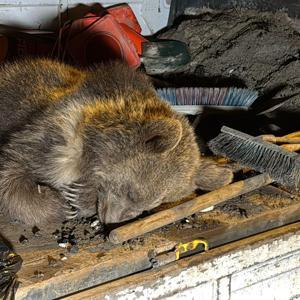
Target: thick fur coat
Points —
{"points": [[79, 142]]}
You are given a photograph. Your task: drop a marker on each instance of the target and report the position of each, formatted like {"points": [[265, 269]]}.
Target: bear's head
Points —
{"points": [[144, 154]]}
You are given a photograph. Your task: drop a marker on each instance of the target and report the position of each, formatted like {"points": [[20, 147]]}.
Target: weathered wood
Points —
{"points": [[12, 232], [82, 270], [186, 209], [99, 261], [224, 234], [100, 272], [150, 279], [227, 233]]}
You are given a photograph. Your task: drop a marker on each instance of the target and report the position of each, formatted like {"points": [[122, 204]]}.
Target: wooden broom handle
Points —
{"points": [[291, 138], [188, 208]]}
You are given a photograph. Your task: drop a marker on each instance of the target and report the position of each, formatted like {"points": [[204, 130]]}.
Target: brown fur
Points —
{"points": [[80, 142]]}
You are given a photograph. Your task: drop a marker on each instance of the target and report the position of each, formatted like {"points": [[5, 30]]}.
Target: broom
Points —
{"points": [[282, 166], [192, 100]]}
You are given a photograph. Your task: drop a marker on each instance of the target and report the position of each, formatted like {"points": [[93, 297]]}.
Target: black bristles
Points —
{"points": [[264, 157]]}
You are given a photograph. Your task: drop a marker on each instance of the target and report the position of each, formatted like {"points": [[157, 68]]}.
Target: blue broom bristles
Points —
{"points": [[208, 96]]}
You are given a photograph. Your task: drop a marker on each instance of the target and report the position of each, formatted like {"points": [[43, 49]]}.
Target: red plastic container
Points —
{"points": [[95, 39], [135, 38], [123, 14]]}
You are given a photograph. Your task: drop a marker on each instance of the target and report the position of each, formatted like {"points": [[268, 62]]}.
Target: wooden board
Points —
{"points": [[45, 276], [149, 280]]}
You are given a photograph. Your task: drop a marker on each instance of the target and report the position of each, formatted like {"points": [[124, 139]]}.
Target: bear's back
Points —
{"points": [[29, 86]]}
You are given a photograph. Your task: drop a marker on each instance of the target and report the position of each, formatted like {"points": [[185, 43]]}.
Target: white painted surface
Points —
{"points": [[37, 14], [196, 293], [266, 271], [284, 286]]}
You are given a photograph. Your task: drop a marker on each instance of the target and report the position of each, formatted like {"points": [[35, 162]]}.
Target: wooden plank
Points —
{"points": [[99, 262], [249, 226], [82, 270], [12, 232], [95, 274], [148, 279], [133, 261]]}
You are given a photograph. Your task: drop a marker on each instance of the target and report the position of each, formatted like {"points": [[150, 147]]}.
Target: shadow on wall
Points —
{"points": [[72, 13]]}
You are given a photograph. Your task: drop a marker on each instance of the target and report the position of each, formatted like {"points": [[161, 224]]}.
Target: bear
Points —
{"points": [[79, 142]]}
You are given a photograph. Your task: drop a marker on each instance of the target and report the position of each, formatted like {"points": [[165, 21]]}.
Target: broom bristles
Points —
{"points": [[208, 96], [264, 157]]}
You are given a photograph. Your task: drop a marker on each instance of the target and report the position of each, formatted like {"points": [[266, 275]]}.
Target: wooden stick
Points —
{"points": [[188, 208], [292, 138], [291, 147]]}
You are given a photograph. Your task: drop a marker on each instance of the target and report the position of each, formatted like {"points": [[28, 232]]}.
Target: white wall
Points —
{"points": [[39, 14]]}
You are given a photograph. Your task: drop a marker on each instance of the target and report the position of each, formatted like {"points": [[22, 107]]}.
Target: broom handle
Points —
{"points": [[291, 138], [188, 208]]}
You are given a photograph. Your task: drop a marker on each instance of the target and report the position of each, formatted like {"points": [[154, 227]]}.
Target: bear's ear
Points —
{"points": [[160, 136]]}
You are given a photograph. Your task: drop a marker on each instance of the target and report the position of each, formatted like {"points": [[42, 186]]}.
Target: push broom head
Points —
{"points": [[192, 100], [282, 166]]}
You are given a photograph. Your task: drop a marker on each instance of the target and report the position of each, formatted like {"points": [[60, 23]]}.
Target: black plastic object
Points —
{"points": [[10, 264], [164, 56], [290, 6]]}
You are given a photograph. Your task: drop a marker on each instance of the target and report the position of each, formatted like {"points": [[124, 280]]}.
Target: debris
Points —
{"points": [[64, 244], [52, 262], [39, 274], [36, 231], [73, 249], [95, 223], [62, 257], [23, 239], [10, 264]]}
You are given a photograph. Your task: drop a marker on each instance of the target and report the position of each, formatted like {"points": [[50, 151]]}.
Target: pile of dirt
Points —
{"points": [[243, 48]]}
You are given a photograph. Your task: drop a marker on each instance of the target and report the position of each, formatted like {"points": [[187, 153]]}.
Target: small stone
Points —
{"points": [[100, 255], [95, 223], [208, 209], [187, 226], [23, 239], [62, 257], [36, 231], [55, 233], [64, 244]]}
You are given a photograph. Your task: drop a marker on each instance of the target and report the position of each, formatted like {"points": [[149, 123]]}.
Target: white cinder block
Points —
{"points": [[285, 286], [266, 271], [262, 271]]}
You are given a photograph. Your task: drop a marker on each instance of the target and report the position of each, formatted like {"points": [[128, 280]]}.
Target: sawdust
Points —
{"points": [[241, 208], [271, 197], [89, 235]]}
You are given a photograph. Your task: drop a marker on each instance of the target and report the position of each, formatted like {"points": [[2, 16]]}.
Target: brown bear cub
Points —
{"points": [[76, 142]]}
